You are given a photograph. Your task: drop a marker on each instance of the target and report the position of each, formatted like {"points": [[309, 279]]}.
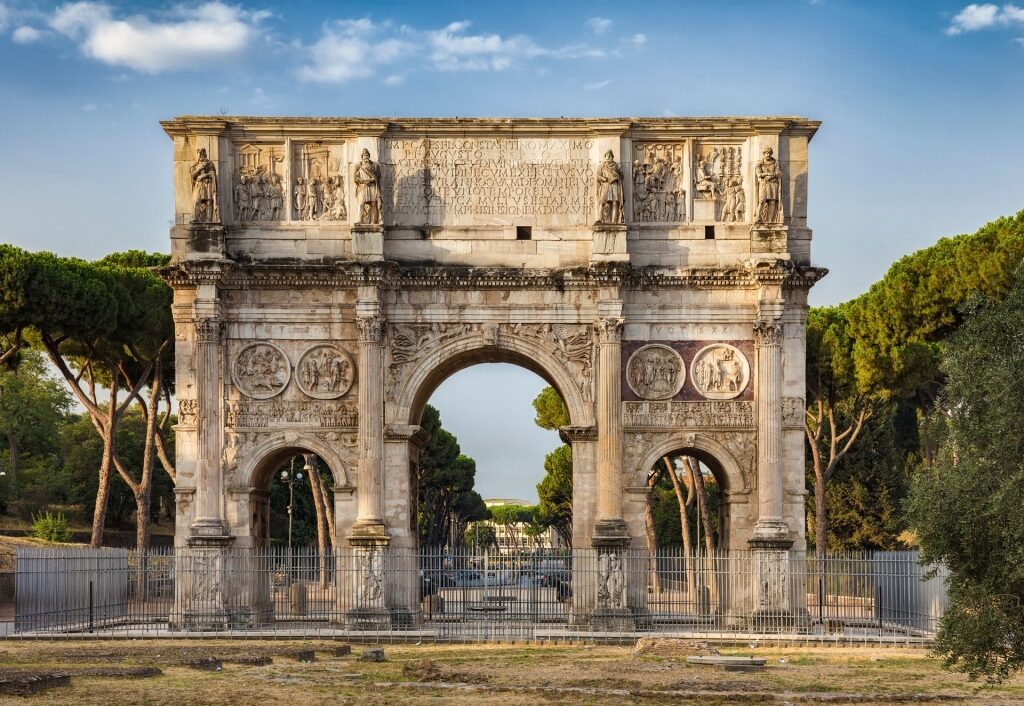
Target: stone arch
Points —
{"points": [[264, 458], [427, 374], [719, 459]]}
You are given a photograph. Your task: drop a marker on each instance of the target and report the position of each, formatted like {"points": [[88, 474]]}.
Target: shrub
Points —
{"points": [[51, 527]]}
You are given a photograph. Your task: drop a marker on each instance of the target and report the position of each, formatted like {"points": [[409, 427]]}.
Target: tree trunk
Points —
{"points": [[693, 468], [684, 526], [321, 522], [12, 444], [820, 517], [99, 513], [652, 480]]}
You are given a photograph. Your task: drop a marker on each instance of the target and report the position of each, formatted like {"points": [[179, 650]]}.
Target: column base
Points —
{"points": [[207, 532], [611, 533], [369, 533], [369, 618], [612, 620], [770, 534]]}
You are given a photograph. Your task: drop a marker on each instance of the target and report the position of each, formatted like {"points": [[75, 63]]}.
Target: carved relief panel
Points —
{"points": [[261, 370], [325, 372], [718, 184], [655, 372], [659, 182], [720, 372], [570, 343], [318, 182], [258, 190]]}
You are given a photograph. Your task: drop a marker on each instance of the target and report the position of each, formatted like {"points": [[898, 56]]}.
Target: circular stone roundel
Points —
{"points": [[261, 370], [720, 372], [655, 372], [325, 372]]}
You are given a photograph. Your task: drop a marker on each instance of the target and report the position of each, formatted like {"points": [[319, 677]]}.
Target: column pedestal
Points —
{"points": [[609, 243], [368, 242], [202, 576], [367, 584]]}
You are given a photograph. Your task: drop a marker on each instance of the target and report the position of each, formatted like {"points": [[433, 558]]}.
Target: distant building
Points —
{"points": [[511, 538]]}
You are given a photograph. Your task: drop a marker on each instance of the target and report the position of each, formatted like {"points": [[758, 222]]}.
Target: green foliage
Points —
{"points": [[555, 493], [865, 495], [32, 406], [898, 324], [446, 478], [967, 508], [508, 515], [76, 482], [51, 527], [551, 410], [481, 535]]}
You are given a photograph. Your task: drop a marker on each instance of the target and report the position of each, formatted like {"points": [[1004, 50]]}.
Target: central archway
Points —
{"points": [[571, 377]]}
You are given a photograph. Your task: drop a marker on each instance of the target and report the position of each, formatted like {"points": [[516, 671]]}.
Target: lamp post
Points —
{"points": [[291, 478]]}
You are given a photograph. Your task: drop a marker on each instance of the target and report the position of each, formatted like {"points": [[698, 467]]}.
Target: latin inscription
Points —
{"points": [[488, 177]]}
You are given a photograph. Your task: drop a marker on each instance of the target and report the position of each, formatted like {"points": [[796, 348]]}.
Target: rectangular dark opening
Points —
{"points": [[709, 232], [524, 232]]}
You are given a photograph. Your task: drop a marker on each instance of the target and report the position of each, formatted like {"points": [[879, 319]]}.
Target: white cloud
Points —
{"points": [[596, 85], [453, 50], [26, 35], [351, 49], [5, 15], [348, 50], [185, 38], [976, 17], [599, 25], [638, 40]]}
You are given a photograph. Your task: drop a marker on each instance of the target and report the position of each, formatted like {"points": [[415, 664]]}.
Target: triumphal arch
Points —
{"points": [[330, 273]]}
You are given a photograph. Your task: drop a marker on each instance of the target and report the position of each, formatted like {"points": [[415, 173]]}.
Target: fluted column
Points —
{"points": [[370, 500], [209, 521], [610, 524], [770, 524]]}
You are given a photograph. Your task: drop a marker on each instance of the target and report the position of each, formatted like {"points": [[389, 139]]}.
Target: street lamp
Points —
{"points": [[291, 478]]}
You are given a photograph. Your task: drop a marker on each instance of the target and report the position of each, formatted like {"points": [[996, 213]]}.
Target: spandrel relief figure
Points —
{"points": [[769, 188], [205, 207], [367, 179], [609, 190]]}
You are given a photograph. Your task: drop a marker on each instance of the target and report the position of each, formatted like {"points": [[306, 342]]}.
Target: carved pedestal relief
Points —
{"points": [[261, 371], [259, 190], [720, 372], [659, 183], [655, 372], [611, 580], [325, 372], [718, 184]]}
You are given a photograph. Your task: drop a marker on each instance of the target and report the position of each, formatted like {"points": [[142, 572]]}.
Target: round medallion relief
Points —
{"points": [[261, 370], [325, 372], [655, 372], [720, 371]]}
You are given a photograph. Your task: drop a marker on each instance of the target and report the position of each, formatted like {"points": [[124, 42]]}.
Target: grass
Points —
{"points": [[486, 674]]}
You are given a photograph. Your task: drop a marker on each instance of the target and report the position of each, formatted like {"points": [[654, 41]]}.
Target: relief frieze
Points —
{"points": [[688, 415], [262, 415], [261, 370]]}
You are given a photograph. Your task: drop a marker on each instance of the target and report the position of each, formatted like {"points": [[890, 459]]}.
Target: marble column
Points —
{"points": [[370, 485], [209, 521], [610, 524], [770, 523]]}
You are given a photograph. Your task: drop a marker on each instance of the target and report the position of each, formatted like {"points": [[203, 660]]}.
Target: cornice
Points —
{"points": [[240, 126]]}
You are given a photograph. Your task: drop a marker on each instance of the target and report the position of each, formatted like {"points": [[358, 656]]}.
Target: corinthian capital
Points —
{"points": [[768, 333], [609, 329], [209, 330], [371, 329]]}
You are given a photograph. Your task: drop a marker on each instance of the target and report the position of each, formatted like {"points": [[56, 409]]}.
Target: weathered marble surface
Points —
{"points": [[335, 271]]}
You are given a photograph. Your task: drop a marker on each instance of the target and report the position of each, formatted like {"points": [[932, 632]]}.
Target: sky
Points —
{"points": [[921, 103]]}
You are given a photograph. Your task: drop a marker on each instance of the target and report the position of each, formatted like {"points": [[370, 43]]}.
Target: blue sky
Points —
{"points": [[922, 104]]}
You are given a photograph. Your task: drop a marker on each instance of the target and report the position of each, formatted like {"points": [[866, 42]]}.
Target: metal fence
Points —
{"points": [[447, 595]]}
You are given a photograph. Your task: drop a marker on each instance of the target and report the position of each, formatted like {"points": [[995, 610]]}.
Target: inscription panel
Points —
{"points": [[437, 181]]}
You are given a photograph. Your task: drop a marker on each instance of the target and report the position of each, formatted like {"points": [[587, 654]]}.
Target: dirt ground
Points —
{"points": [[279, 672]]}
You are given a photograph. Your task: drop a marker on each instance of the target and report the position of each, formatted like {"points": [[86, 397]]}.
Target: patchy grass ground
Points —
{"points": [[178, 673]]}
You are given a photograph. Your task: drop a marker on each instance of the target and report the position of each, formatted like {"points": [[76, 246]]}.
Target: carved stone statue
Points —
{"points": [[275, 200], [734, 208], [609, 190], [367, 179], [205, 208], [769, 188], [242, 199]]}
